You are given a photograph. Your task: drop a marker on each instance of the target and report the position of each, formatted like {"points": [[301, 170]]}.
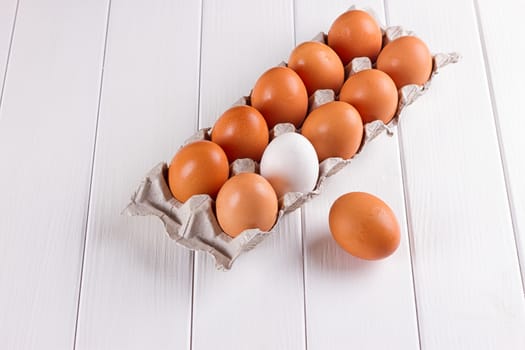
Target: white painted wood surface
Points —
{"points": [[251, 306], [137, 285], [7, 18], [348, 301], [465, 266], [454, 177], [500, 25], [47, 127]]}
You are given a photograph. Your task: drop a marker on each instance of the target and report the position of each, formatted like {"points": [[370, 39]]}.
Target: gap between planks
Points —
{"points": [[90, 190], [302, 211], [198, 126], [408, 212], [501, 147], [9, 53]]}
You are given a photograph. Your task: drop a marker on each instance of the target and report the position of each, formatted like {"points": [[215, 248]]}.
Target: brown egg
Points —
{"points": [[407, 60], [281, 97], [373, 93], [355, 34], [335, 129], [318, 66], [200, 167], [241, 132], [246, 200], [364, 226]]}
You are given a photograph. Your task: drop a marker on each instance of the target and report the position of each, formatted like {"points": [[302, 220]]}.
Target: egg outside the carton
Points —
{"points": [[364, 226]]}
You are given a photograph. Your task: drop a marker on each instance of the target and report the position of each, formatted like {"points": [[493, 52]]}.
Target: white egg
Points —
{"points": [[290, 164]]}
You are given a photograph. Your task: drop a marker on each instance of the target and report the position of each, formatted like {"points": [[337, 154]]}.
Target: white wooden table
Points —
{"points": [[95, 93]]}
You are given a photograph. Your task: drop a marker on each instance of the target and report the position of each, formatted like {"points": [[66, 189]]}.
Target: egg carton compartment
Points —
{"points": [[193, 224]]}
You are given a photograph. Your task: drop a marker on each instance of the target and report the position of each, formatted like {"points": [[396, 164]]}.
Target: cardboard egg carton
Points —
{"points": [[193, 224]]}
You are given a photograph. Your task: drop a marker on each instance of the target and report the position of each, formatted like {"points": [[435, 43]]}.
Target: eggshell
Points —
{"points": [[364, 226], [355, 33], [373, 93], [335, 129], [290, 164], [244, 202], [318, 66], [241, 132], [406, 60], [281, 97], [200, 167]]}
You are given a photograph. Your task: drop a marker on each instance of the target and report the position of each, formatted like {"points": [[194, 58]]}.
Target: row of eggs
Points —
{"points": [[290, 162]]}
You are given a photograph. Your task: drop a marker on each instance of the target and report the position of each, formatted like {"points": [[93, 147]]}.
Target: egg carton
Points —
{"points": [[193, 224]]}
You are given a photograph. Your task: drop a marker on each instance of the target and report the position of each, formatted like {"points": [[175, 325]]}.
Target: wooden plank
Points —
{"points": [[136, 290], [47, 127], [467, 278], [259, 303], [350, 301], [506, 72]]}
